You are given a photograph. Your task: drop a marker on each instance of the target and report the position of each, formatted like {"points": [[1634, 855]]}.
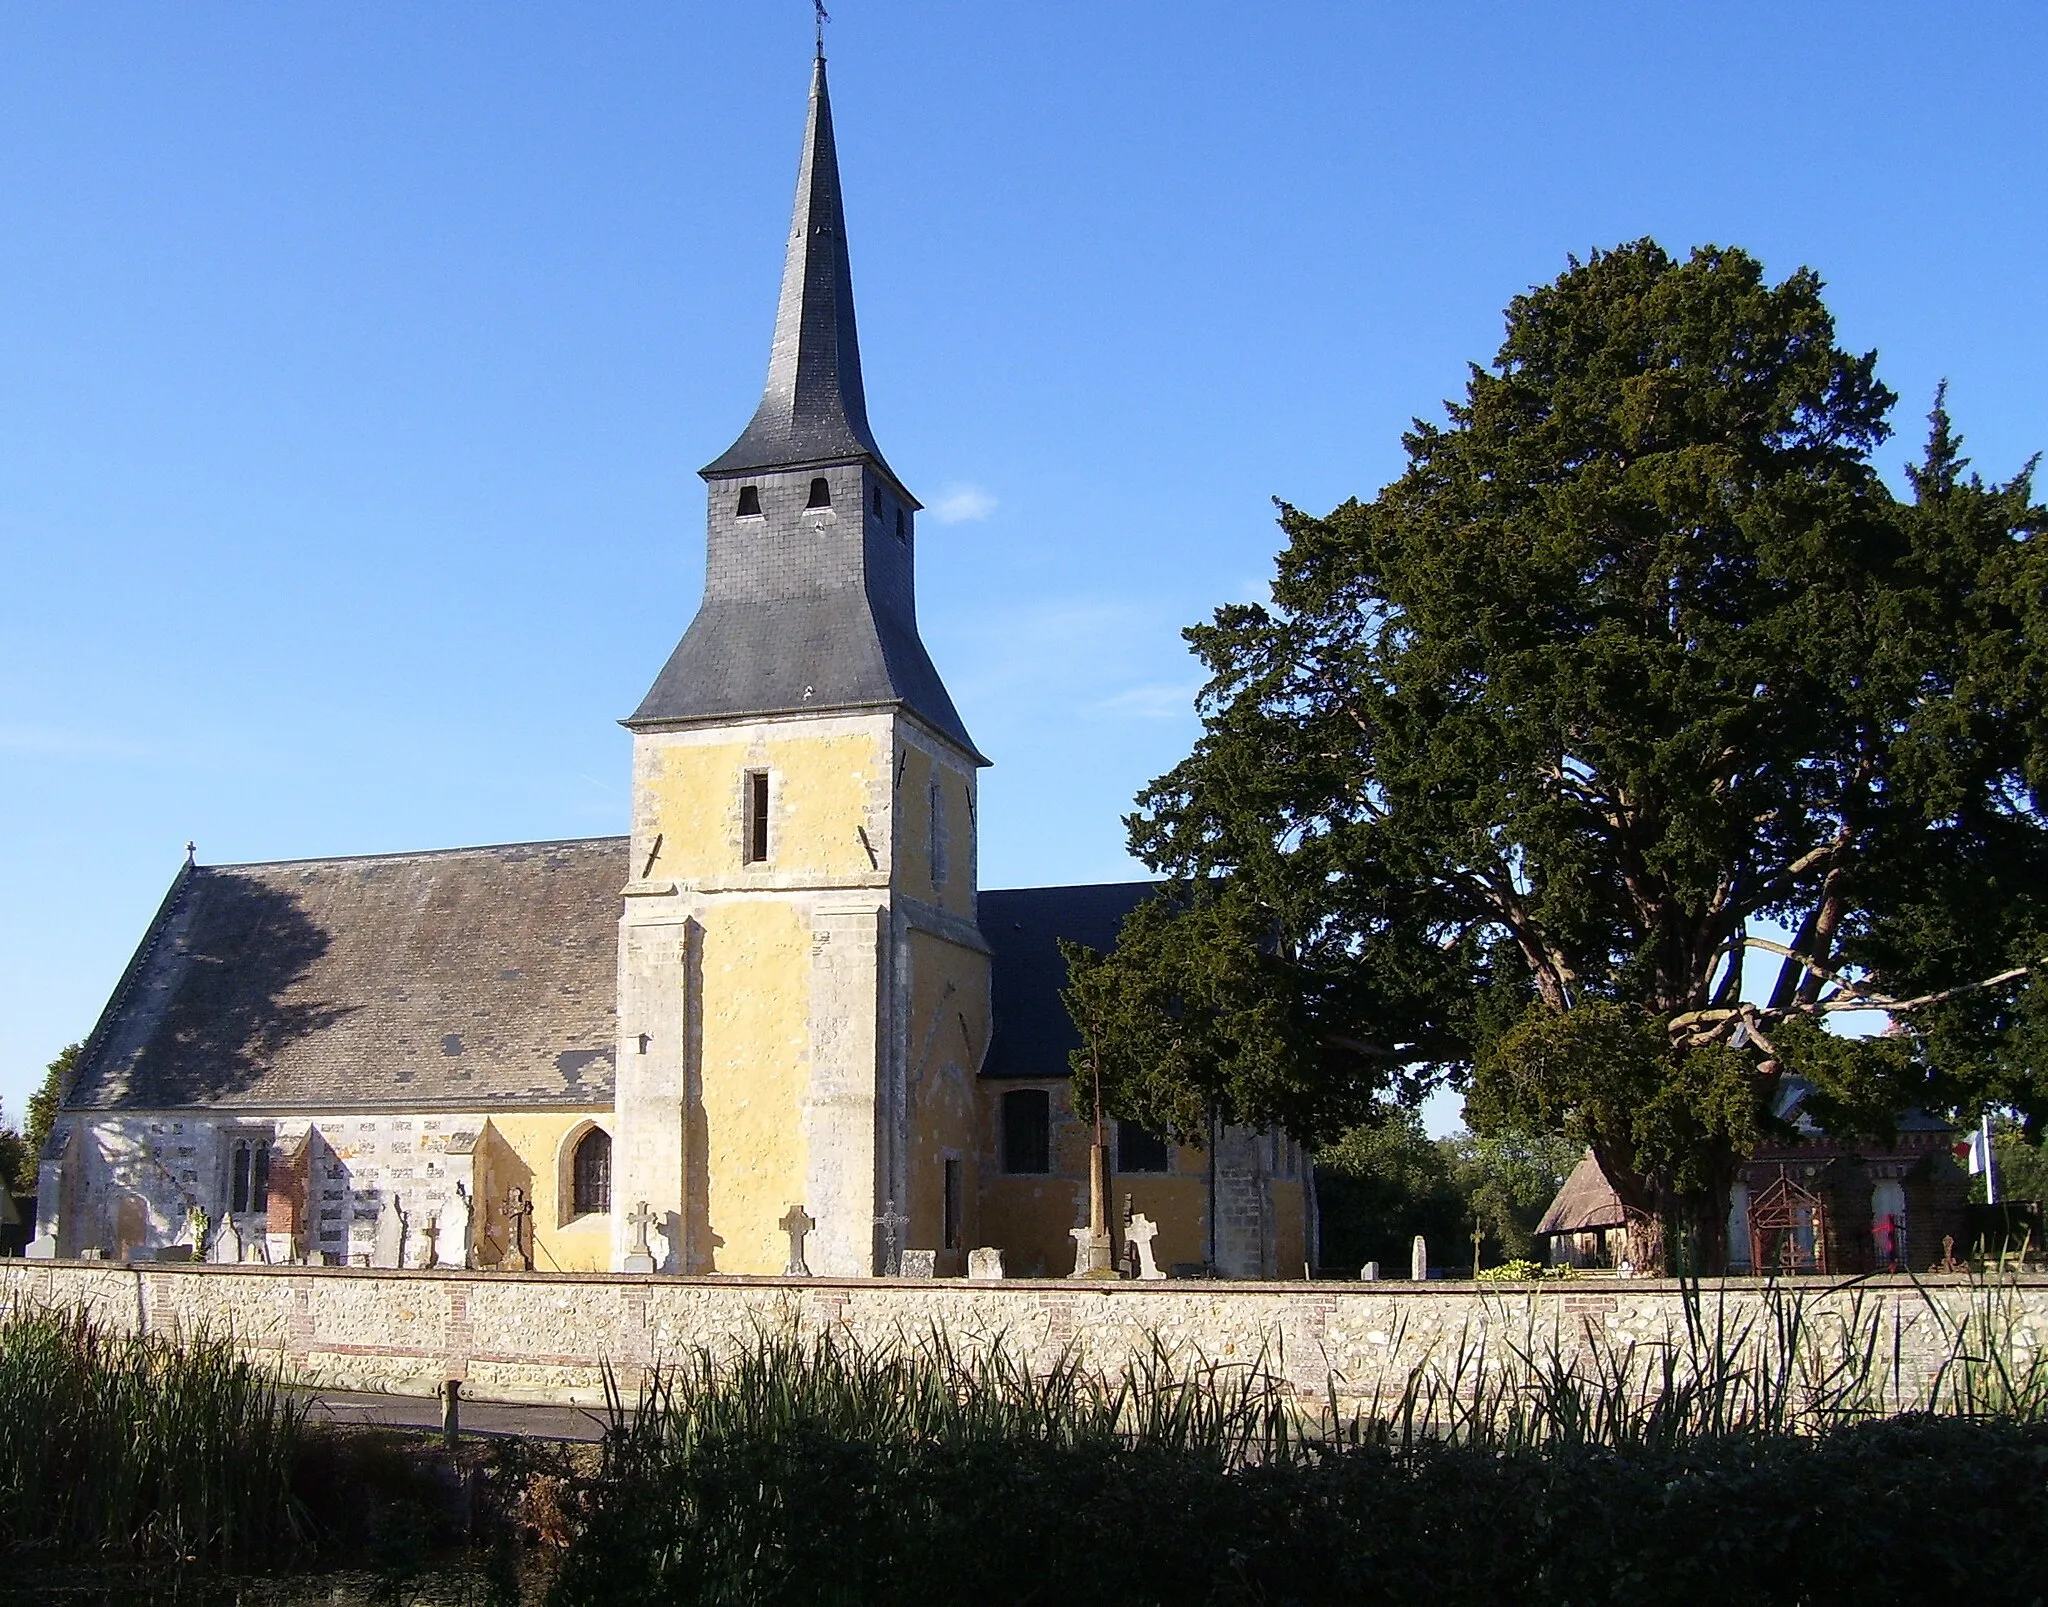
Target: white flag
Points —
{"points": [[1980, 1155]]}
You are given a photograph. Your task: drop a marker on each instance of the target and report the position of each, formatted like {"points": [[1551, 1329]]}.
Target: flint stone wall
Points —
{"points": [[548, 1336]]}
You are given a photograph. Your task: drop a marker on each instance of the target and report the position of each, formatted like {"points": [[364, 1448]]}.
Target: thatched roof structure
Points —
{"points": [[1586, 1203]]}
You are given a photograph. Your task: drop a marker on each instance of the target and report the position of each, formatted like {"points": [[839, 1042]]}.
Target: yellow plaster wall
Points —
{"points": [[916, 767], [826, 788], [755, 1071], [527, 1152], [1030, 1217], [949, 1023]]}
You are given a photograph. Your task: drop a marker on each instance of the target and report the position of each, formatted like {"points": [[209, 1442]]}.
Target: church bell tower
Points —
{"points": [[803, 992]]}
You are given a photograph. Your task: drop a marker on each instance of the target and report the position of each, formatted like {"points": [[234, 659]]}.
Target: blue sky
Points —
{"points": [[356, 361]]}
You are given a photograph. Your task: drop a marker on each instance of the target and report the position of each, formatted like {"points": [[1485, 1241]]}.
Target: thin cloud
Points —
{"points": [[66, 744], [1159, 701], [960, 504]]}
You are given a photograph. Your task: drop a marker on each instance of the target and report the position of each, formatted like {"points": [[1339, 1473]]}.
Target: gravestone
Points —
{"points": [[920, 1264], [387, 1249], [985, 1265], [1369, 1273], [797, 1223], [1139, 1232], [892, 1225], [43, 1247], [640, 1258], [430, 1255], [1418, 1260], [454, 1239], [227, 1243], [517, 1209]]}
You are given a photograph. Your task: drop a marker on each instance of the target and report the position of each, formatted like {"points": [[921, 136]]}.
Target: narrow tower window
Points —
{"points": [[938, 839], [249, 1177], [821, 493], [750, 502], [757, 817], [902, 531], [1138, 1150], [593, 1169], [878, 502], [954, 1230]]}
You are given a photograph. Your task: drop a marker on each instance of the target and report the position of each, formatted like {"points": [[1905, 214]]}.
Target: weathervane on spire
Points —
{"points": [[824, 17]]}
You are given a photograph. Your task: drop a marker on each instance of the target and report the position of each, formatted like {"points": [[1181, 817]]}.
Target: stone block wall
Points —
{"points": [[546, 1337]]}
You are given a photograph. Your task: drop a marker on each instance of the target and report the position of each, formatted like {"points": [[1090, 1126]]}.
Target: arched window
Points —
{"points": [[1027, 1130], [593, 1172], [750, 502], [821, 493], [249, 1176]]}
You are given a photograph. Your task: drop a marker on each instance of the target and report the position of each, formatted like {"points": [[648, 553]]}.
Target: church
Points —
{"points": [[781, 1001]]}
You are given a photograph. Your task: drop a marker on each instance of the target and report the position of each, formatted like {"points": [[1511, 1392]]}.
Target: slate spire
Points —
{"points": [[810, 584], [813, 409]]}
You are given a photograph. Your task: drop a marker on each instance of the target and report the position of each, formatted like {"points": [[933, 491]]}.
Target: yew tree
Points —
{"points": [[1635, 730]]}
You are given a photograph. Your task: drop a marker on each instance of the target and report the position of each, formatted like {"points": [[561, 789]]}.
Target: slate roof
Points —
{"points": [[814, 408], [471, 978], [1033, 1034], [801, 616]]}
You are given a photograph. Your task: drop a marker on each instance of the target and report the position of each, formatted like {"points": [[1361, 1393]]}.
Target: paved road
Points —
{"points": [[477, 1417]]}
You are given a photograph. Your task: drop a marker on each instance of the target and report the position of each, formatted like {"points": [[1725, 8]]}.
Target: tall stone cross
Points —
{"points": [[517, 1210], [797, 1223], [892, 1225], [640, 1219]]}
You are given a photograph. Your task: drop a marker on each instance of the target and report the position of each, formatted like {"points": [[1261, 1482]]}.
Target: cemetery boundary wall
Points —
{"points": [[549, 1336]]}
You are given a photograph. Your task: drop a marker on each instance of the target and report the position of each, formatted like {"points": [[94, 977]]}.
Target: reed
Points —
{"points": [[1764, 1441], [132, 1447]]}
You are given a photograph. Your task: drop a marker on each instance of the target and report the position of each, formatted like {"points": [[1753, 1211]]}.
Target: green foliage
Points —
{"points": [[1384, 1182], [1638, 656], [1508, 1177], [1748, 1461], [17, 1169], [44, 1102], [131, 1447], [1381, 1184], [1518, 1270]]}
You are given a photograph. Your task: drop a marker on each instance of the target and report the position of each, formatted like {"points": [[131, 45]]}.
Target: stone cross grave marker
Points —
{"points": [[797, 1223], [639, 1219], [985, 1264], [892, 1225], [1418, 1260], [431, 1256], [1139, 1232], [920, 1264], [517, 1209], [1369, 1273]]}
